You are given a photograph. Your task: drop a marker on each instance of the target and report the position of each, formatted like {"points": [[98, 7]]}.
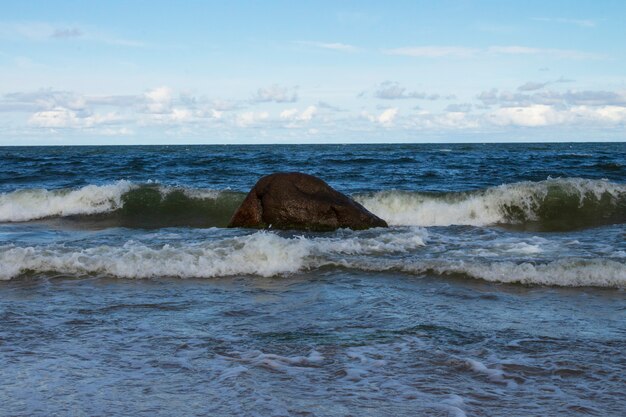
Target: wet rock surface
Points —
{"points": [[302, 202]]}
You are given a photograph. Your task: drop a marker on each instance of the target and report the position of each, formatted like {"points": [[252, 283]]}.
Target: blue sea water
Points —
{"points": [[497, 290]]}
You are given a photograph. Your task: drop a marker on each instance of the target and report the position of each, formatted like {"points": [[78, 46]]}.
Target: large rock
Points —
{"points": [[300, 201]]}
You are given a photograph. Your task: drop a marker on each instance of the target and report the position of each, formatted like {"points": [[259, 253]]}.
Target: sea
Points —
{"points": [[497, 290]]}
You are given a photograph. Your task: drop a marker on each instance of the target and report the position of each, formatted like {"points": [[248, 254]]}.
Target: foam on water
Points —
{"points": [[264, 254], [29, 204], [494, 374], [123, 203], [509, 203], [280, 363], [268, 254], [568, 272]]}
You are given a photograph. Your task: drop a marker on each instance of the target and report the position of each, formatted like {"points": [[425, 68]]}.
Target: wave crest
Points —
{"points": [[123, 203], [262, 253], [553, 204], [268, 254], [30, 204]]}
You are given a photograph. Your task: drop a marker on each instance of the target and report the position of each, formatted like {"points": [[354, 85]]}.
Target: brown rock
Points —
{"points": [[300, 201]]}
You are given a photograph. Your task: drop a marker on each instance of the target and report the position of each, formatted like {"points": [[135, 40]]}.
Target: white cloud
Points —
{"points": [[459, 108], [449, 120], [185, 114], [68, 118], [531, 86], [251, 118], [585, 23], [532, 116], [433, 51], [327, 106], [66, 33], [387, 117], [277, 94], [181, 115], [45, 31], [225, 105], [159, 100], [98, 119], [288, 114], [49, 99], [216, 114], [550, 97], [389, 90], [65, 109], [550, 52], [467, 52], [293, 116], [455, 120], [57, 118], [308, 113], [33, 31], [534, 85], [513, 50], [42, 100], [109, 131], [114, 100], [545, 115], [335, 46], [605, 114]]}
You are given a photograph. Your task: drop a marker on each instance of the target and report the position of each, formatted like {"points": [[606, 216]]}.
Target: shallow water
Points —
{"points": [[324, 343], [498, 290]]}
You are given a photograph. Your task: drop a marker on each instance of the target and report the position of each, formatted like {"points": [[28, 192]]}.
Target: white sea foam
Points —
{"points": [[480, 208], [204, 194], [454, 405], [261, 253], [282, 363], [565, 272], [31, 204], [523, 248], [268, 254], [23, 205], [493, 374]]}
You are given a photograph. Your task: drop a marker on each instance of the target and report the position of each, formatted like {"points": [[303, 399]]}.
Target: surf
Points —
{"points": [[558, 204], [122, 204], [267, 254]]}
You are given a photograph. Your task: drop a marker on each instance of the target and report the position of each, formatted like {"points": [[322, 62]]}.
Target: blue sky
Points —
{"points": [[129, 72]]}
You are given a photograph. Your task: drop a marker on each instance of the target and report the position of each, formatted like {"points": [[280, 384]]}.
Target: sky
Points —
{"points": [[164, 72]]}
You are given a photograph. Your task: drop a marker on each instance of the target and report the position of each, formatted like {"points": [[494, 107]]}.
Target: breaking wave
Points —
{"points": [[268, 254], [553, 204], [123, 203], [31, 204], [262, 253]]}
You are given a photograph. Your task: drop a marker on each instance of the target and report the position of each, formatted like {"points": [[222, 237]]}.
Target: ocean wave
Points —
{"points": [[268, 254], [262, 253], [569, 272], [124, 203], [553, 204], [31, 204]]}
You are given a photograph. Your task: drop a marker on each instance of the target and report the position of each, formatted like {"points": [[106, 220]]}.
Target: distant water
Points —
{"points": [[498, 290]]}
